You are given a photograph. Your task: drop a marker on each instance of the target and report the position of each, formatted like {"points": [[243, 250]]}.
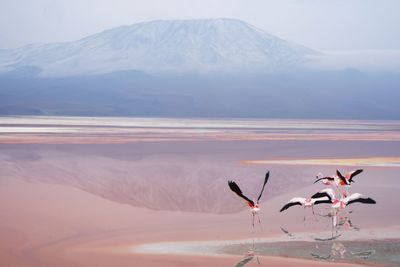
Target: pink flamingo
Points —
{"points": [[254, 205], [340, 204], [305, 203], [339, 180]]}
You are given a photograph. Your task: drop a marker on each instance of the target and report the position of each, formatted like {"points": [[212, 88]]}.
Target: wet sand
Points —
{"points": [[68, 204]]}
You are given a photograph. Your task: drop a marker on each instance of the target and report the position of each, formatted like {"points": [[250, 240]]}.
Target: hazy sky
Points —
{"points": [[320, 24]]}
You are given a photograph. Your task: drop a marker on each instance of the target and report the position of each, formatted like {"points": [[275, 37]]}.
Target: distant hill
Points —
{"points": [[162, 46]]}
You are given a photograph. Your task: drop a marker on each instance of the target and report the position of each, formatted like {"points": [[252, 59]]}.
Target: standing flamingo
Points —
{"points": [[340, 204], [306, 203], [254, 205]]}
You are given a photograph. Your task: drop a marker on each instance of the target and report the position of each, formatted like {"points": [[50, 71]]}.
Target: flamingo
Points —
{"points": [[338, 180], [254, 205], [306, 203], [340, 204], [348, 177]]}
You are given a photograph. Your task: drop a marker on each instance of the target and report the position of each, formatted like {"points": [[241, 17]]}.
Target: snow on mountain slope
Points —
{"points": [[162, 46]]}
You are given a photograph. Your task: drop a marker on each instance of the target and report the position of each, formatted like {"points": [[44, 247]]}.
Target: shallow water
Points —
{"points": [[385, 252]]}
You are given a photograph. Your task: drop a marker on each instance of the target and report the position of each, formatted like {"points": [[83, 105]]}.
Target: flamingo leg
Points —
{"points": [[334, 222], [315, 217], [259, 221], [253, 231]]}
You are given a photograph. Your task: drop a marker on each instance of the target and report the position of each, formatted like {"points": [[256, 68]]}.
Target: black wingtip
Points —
{"points": [[265, 182], [232, 185], [320, 194], [355, 173], [283, 208], [316, 195], [266, 177]]}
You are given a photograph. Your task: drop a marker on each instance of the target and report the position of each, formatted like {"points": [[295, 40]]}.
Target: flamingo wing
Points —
{"points": [[262, 190], [341, 177], [235, 188], [367, 200], [323, 200], [354, 173], [328, 192], [357, 197], [322, 178], [293, 202]]}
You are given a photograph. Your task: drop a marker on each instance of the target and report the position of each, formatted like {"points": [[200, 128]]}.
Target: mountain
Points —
{"points": [[220, 68], [162, 46]]}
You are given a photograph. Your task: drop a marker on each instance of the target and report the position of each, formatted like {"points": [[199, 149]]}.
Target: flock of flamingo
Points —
{"points": [[336, 195]]}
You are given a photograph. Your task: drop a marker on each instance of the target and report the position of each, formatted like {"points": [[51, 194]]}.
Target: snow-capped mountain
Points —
{"points": [[180, 46]]}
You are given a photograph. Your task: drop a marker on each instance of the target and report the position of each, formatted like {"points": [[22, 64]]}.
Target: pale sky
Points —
{"points": [[319, 24]]}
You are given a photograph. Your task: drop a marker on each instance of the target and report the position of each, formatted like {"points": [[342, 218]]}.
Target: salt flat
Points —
{"points": [[86, 196]]}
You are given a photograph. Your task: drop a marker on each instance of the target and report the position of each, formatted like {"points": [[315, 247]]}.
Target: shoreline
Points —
{"points": [[367, 250], [198, 247]]}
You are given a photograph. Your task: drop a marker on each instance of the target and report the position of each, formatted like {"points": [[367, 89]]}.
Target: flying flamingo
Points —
{"points": [[306, 203], [338, 180], [254, 205], [348, 177]]}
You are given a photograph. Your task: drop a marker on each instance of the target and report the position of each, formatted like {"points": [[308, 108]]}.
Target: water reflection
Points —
{"points": [[249, 256]]}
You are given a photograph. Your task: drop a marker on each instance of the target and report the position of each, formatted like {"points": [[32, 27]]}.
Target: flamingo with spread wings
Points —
{"points": [[338, 179], [254, 205], [305, 203], [340, 204]]}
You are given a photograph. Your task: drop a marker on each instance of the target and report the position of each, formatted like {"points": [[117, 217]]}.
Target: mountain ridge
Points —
{"points": [[163, 46]]}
